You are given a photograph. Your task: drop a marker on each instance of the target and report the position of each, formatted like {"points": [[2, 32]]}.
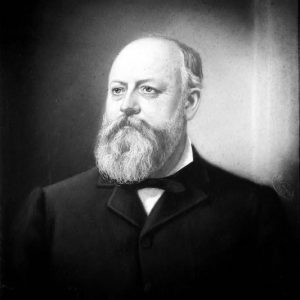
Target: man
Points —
{"points": [[153, 219]]}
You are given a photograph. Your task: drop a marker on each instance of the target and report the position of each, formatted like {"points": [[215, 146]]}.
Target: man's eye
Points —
{"points": [[117, 91], [148, 90]]}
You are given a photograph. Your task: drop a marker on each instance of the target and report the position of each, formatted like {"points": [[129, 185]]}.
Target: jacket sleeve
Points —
{"points": [[30, 253]]}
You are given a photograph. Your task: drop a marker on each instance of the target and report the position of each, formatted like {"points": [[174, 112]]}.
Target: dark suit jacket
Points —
{"points": [[84, 239]]}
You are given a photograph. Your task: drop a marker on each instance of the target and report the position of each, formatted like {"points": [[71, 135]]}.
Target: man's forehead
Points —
{"points": [[147, 57]]}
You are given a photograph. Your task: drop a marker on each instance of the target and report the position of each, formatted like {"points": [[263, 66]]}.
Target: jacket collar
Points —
{"points": [[128, 206]]}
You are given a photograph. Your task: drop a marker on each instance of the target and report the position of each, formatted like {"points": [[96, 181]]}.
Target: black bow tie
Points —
{"points": [[171, 184]]}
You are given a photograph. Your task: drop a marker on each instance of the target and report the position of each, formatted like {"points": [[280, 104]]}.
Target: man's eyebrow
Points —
{"points": [[119, 81], [141, 81]]}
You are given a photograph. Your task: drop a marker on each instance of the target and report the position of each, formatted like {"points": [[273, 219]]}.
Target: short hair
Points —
{"points": [[192, 62]]}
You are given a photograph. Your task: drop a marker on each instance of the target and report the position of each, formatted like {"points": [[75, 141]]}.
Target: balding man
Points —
{"points": [[153, 219]]}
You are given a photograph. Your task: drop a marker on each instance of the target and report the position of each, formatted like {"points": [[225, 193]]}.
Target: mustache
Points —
{"points": [[113, 127]]}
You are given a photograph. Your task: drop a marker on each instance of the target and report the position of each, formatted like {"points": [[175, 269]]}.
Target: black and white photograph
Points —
{"points": [[149, 150]]}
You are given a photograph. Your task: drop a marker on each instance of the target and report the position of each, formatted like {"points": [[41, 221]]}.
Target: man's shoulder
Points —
{"points": [[86, 178], [222, 177], [226, 182], [80, 186], [237, 195]]}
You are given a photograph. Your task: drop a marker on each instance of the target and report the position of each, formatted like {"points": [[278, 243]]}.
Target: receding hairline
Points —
{"points": [[171, 46], [190, 59]]}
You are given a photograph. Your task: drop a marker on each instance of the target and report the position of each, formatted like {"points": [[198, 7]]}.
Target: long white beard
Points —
{"points": [[129, 150]]}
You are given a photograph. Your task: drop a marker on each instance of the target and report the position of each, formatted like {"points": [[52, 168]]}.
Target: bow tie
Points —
{"points": [[170, 184]]}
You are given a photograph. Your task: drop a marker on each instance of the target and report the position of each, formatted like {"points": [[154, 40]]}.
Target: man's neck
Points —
{"points": [[185, 159], [170, 166]]}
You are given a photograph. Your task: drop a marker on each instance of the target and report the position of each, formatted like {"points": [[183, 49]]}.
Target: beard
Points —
{"points": [[129, 150]]}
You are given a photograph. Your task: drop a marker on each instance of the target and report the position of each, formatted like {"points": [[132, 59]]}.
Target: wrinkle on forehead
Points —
{"points": [[147, 58]]}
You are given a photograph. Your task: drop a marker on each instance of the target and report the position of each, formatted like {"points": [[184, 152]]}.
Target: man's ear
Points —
{"points": [[192, 103]]}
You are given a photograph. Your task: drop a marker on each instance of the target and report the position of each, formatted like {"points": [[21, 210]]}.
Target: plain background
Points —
{"points": [[56, 55]]}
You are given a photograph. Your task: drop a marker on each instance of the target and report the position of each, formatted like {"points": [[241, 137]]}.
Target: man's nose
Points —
{"points": [[130, 105]]}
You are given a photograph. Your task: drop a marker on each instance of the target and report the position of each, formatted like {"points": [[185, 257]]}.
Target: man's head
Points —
{"points": [[153, 89]]}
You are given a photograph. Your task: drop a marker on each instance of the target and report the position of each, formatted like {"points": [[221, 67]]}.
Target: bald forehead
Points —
{"points": [[154, 46], [149, 54]]}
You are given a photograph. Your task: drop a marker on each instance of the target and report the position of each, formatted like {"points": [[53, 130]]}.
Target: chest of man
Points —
{"points": [[111, 246]]}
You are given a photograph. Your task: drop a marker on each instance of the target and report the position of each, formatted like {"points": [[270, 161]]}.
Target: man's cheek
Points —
{"points": [[111, 110]]}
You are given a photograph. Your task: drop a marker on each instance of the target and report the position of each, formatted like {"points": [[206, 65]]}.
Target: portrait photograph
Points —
{"points": [[149, 149]]}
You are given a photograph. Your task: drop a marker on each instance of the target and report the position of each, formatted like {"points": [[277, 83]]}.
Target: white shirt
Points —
{"points": [[150, 196]]}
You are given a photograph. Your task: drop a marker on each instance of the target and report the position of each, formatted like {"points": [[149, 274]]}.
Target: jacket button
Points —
{"points": [[146, 243], [147, 287]]}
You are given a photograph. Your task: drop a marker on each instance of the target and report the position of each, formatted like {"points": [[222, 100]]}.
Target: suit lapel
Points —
{"points": [[126, 204], [172, 205]]}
